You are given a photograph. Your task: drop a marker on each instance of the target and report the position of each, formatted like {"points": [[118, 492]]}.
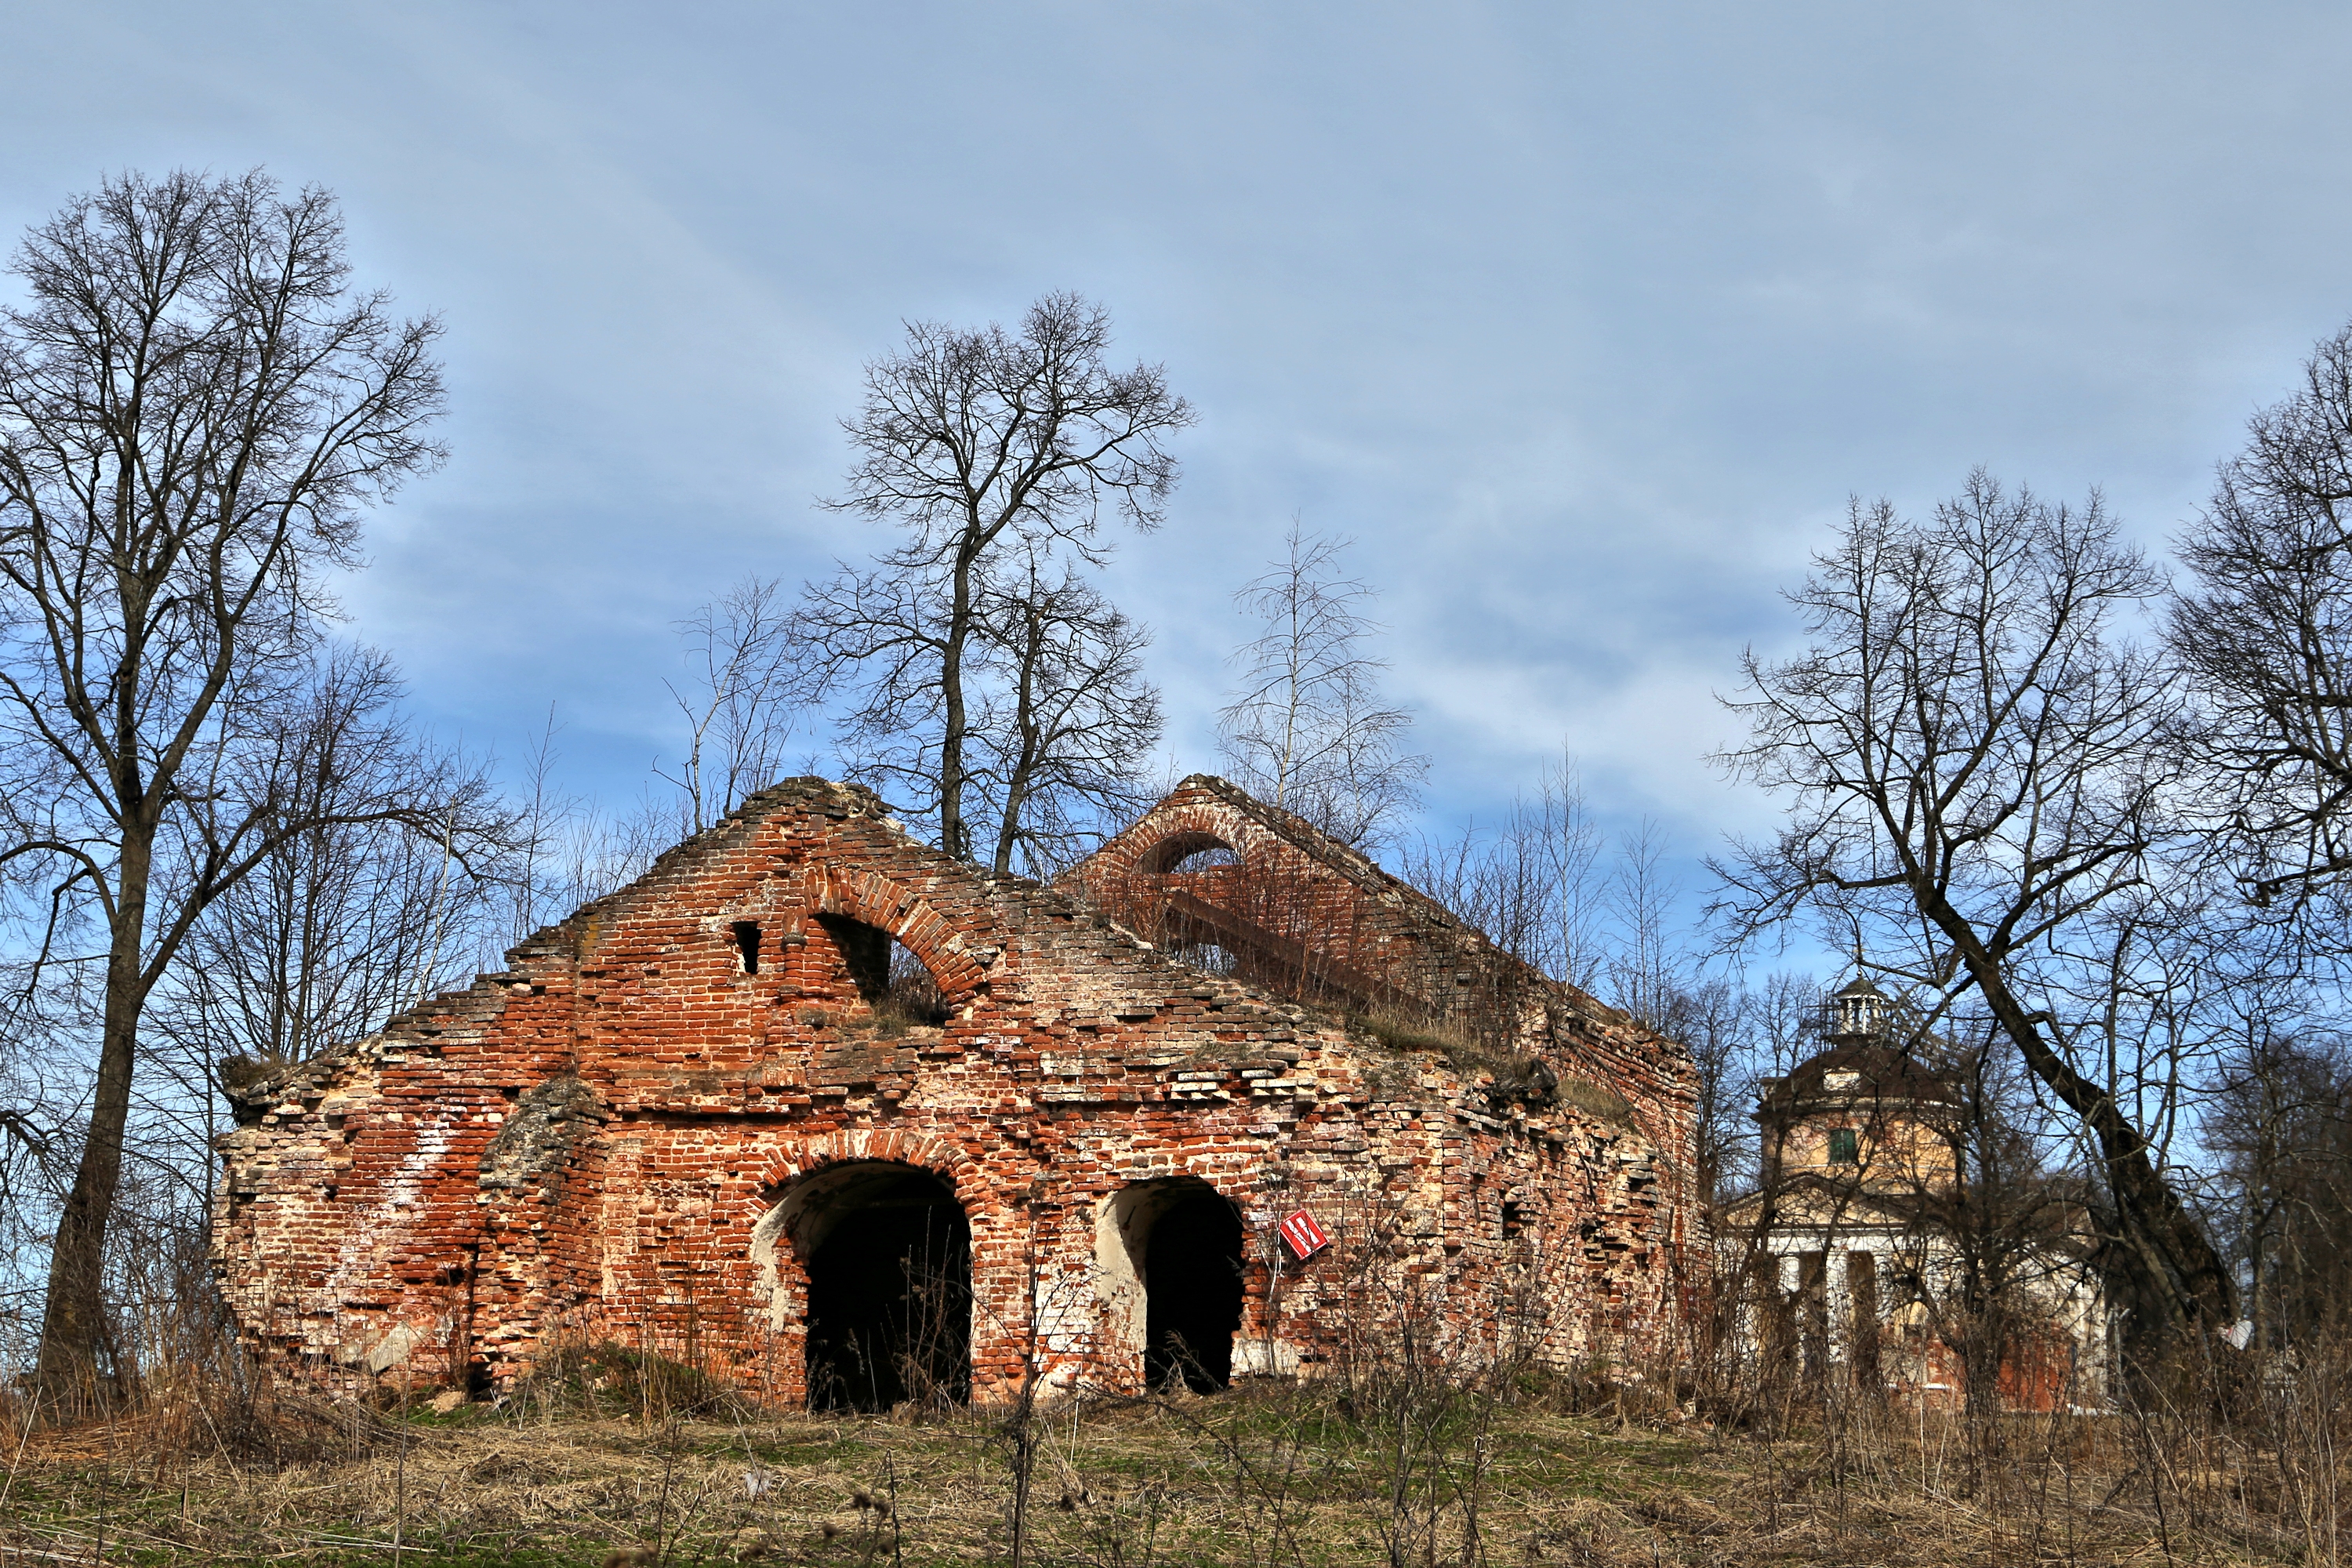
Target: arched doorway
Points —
{"points": [[1183, 1246], [887, 1254]]}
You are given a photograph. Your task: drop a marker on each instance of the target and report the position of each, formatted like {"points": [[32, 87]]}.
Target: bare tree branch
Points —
{"points": [[2266, 634], [746, 691], [1070, 720]]}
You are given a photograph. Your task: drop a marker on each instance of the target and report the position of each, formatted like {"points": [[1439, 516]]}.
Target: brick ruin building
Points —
{"points": [[836, 1118]]}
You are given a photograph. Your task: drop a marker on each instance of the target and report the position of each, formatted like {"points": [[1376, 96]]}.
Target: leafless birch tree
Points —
{"points": [[1308, 728]]}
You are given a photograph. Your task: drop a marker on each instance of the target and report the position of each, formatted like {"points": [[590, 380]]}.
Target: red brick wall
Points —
{"points": [[587, 1145]]}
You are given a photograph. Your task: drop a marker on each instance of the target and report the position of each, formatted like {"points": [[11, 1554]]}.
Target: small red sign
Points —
{"points": [[1303, 1236]]}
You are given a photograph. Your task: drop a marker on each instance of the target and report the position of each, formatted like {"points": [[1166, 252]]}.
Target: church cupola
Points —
{"points": [[1855, 1014]]}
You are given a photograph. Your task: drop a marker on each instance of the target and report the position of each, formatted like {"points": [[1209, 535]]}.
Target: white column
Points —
{"points": [[1841, 1303]]}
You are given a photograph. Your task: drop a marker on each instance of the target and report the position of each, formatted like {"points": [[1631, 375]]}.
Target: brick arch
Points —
{"points": [[1196, 825], [1160, 856], [808, 1155], [877, 901]]}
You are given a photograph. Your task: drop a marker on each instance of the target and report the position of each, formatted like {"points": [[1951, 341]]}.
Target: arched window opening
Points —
{"points": [[914, 994], [747, 946], [1183, 1243], [1182, 854], [898, 985], [1207, 859], [887, 1253]]}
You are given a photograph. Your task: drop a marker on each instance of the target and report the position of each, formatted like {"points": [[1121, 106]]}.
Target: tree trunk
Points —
{"points": [[1016, 786], [74, 1330], [1008, 833], [954, 837], [2174, 1281]]}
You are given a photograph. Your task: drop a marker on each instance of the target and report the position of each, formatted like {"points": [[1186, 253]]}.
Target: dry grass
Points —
{"points": [[1274, 1475]]}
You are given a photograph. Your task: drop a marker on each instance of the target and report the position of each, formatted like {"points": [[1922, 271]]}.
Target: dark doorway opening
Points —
{"points": [[888, 1254], [1193, 1292]]}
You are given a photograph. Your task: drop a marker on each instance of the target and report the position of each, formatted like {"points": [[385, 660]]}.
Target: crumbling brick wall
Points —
{"points": [[632, 1134], [1307, 916]]}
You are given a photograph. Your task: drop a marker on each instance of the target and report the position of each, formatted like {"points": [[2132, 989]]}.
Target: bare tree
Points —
{"points": [[345, 923], [1738, 1035], [195, 410], [983, 448], [746, 689], [1499, 879], [2281, 1125], [1714, 1020], [1535, 883], [46, 1023], [883, 634], [2265, 631], [1308, 729], [1070, 721], [568, 851], [1974, 766], [532, 886], [1646, 973]]}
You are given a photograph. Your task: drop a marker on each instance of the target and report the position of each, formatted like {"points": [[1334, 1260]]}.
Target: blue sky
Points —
{"points": [[1584, 320]]}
